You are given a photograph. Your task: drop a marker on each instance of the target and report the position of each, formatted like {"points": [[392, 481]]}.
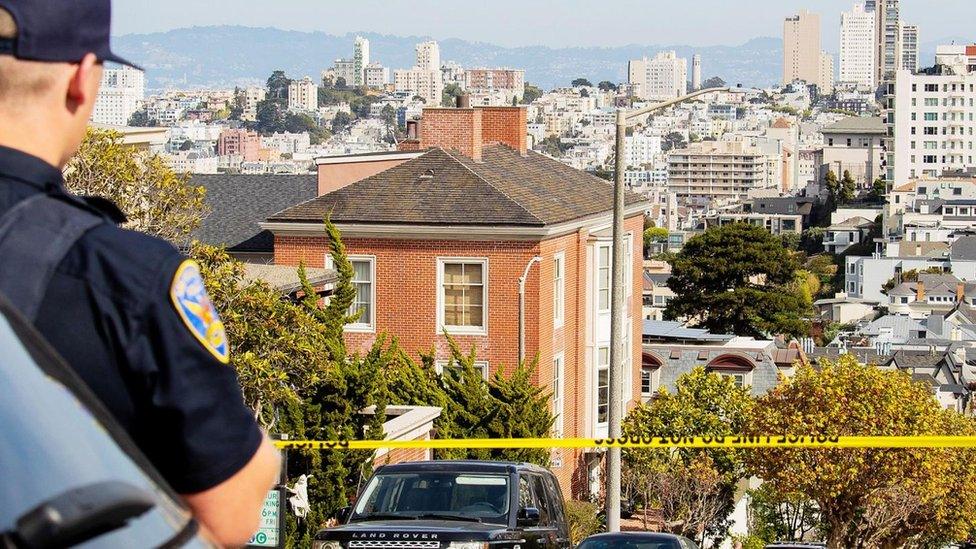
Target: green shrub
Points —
{"points": [[583, 520]]}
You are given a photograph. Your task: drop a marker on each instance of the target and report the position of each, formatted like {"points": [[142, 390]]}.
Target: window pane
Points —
{"points": [[603, 394], [472, 274], [474, 316], [362, 283], [453, 273]]}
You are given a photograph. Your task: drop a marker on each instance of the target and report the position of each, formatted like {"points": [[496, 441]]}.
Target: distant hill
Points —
{"points": [[234, 55]]}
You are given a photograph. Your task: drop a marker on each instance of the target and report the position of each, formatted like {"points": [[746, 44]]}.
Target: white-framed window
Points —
{"points": [[741, 379], [603, 277], [602, 384], [364, 282], [558, 393], [650, 377], [559, 289], [462, 295], [480, 365]]}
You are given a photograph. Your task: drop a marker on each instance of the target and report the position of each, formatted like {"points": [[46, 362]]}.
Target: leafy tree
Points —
{"points": [[278, 87], [693, 488], [833, 186], [530, 93], [791, 240], [238, 103], [389, 115], [553, 146], [868, 497], [450, 94], [714, 82], [779, 517], [847, 188], [910, 275], [299, 122], [673, 140], [582, 519], [140, 119], [270, 116], [340, 83], [296, 374], [186, 145], [737, 278], [584, 93], [154, 198], [580, 82], [606, 86], [654, 234], [879, 189], [360, 104], [341, 121]]}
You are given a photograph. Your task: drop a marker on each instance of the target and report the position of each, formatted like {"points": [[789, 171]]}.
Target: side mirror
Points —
{"points": [[528, 516], [342, 514], [80, 514]]}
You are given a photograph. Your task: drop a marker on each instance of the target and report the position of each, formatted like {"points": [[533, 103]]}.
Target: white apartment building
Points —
{"points": [[121, 94], [934, 117], [360, 60], [665, 76], [425, 78], [303, 95], [887, 37], [857, 47], [909, 46], [713, 170], [253, 96], [346, 70], [801, 48], [642, 149]]}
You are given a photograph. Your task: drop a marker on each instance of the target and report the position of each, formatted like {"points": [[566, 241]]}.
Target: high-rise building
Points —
{"points": [[909, 47], [121, 94], [696, 81], [509, 83], [887, 39], [932, 111], [360, 60], [665, 76], [711, 170], [857, 47], [424, 79], [429, 56], [825, 82], [801, 48], [303, 95]]}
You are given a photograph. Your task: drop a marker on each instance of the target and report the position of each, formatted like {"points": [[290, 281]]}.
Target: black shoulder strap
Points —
{"points": [[35, 235]]}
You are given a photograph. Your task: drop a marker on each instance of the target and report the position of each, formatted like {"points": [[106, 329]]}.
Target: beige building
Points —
{"points": [[303, 95], [826, 80], [712, 170], [252, 96], [854, 145], [425, 78], [801, 48]]}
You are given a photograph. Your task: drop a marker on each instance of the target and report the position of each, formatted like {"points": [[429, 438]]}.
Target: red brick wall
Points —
{"points": [[451, 128], [406, 303], [504, 125]]}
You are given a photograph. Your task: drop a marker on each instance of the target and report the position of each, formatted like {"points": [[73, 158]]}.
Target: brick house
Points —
{"points": [[440, 240]]}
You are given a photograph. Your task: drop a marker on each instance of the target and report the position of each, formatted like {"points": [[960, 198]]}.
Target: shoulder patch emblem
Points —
{"points": [[192, 302]]}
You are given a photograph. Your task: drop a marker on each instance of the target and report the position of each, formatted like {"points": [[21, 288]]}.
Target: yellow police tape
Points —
{"points": [[798, 441]]}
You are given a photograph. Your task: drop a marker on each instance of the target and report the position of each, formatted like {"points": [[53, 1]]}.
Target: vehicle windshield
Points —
{"points": [[629, 544], [50, 444], [476, 496]]}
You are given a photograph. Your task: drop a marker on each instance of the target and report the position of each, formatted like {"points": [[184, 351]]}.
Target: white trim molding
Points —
{"points": [[462, 330]]}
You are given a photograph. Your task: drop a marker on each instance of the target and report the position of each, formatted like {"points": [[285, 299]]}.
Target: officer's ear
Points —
{"points": [[84, 82]]}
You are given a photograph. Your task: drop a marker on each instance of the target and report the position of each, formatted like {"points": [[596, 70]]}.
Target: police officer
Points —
{"points": [[126, 310]]}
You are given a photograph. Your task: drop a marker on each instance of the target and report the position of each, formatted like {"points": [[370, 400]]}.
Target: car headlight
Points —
{"points": [[468, 545], [318, 544]]}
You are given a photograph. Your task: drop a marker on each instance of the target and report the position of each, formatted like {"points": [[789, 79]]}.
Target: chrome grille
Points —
{"points": [[393, 544]]}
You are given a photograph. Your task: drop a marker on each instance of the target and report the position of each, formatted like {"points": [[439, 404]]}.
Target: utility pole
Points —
{"points": [[617, 305]]}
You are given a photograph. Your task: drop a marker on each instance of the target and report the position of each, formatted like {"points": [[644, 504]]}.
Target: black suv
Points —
{"points": [[454, 505]]}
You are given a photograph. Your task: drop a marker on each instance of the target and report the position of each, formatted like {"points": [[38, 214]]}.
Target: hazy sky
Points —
{"points": [[536, 22]]}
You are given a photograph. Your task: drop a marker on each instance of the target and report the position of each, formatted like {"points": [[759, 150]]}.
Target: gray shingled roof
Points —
{"points": [[857, 124], [239, 202], [669, 329], [446, 188], [963, 248]]}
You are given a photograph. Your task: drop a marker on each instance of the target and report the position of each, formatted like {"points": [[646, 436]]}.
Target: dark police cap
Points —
{"points": [[60, 30]]}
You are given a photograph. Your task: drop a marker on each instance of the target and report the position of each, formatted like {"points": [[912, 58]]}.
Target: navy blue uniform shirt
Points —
{"points": [[110, 312]]}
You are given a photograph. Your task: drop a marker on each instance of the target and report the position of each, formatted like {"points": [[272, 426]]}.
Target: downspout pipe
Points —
{"points": [[521, 318]]}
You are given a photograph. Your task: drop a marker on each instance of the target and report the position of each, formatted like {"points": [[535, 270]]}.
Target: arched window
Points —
{"points": [[735, 366], [650, 374]]}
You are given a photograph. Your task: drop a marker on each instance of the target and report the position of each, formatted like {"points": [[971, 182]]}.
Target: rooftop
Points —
{"points": [[857, 124], [669, 329], [442, 187], [239, 202]]}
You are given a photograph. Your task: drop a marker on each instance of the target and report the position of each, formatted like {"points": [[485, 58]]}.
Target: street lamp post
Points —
{"points": [[615, 404]]}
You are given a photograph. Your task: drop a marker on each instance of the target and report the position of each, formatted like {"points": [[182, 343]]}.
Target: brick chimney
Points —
{"points": [[467, 130], [960, 291], [919, 291]]}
